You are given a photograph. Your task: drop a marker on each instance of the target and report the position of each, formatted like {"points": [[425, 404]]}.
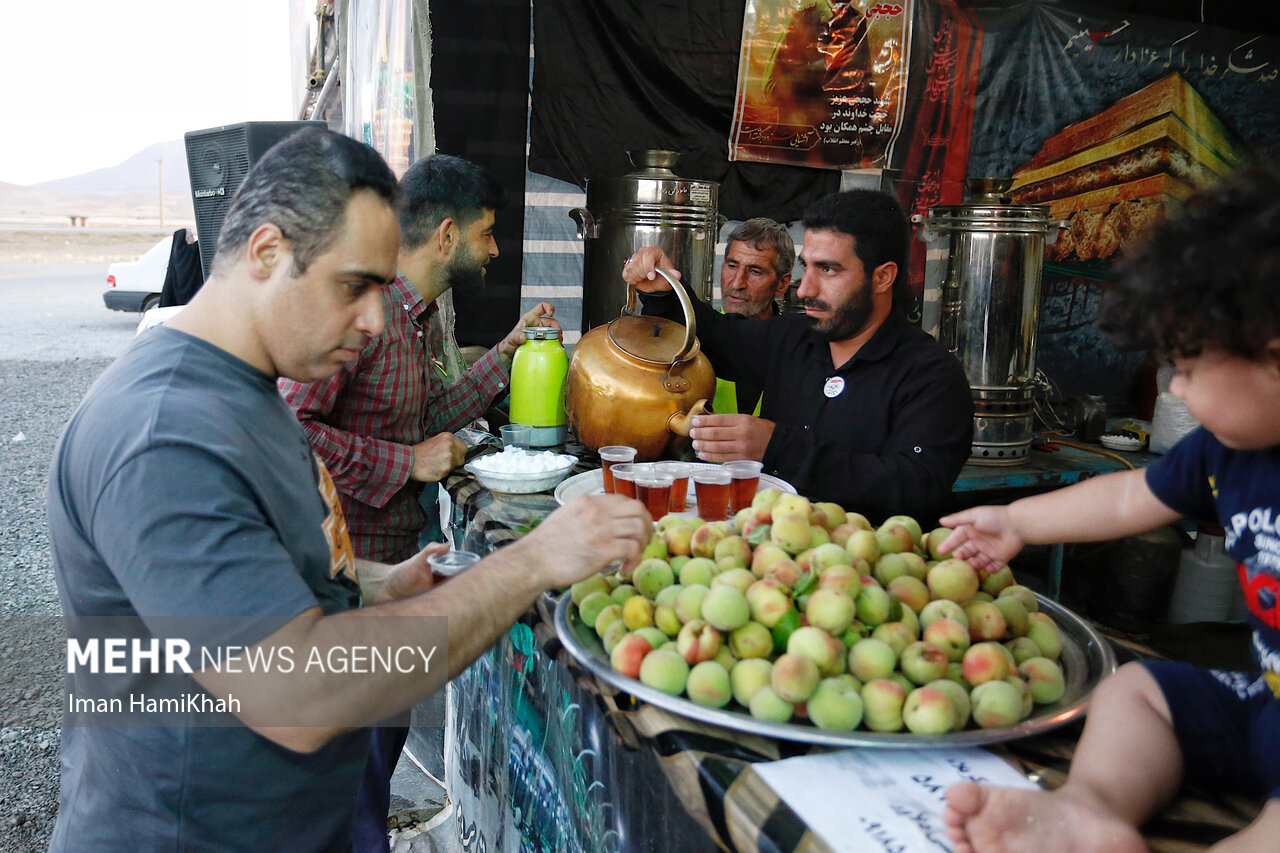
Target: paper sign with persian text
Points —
{"points": [[820, 83], [888, 799]]}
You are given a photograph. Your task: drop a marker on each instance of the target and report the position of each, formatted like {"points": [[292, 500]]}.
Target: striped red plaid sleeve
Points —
{"points": [[453, 407], [370, 470]]}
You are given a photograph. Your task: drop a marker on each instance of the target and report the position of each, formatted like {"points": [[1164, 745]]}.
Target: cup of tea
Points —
{"points": [[711, 488], [653, 489], [679, 472], [450, 564], [610, 456], [624, 478], [745, 477]]}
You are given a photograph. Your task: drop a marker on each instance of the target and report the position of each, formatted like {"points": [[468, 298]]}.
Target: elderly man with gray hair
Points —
{"points": [[756, 272], [758, 258]]}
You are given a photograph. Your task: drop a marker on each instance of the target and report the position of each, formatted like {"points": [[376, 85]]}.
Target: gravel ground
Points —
{"points": [[55, 338], [36, 398]]}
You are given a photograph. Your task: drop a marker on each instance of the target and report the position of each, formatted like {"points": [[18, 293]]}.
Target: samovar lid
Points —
{"points": [[652, 182], [988, 204], [653, 163]]}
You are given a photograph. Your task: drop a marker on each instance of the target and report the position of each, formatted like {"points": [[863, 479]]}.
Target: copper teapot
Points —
{"points": [[639, 380]]}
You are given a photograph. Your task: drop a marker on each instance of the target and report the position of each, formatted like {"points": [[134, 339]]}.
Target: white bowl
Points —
{"points": [[1127, 443], [518, 483]]}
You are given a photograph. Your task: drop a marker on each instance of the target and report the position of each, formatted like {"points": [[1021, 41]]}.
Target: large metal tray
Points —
{"points": [[592, 482], [1086, 660]]}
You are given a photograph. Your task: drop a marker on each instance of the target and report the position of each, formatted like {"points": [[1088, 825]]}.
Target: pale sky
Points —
{"points": [[89, 83]]}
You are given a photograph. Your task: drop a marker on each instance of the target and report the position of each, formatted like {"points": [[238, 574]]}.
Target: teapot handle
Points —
{"points": [[690, 324]]}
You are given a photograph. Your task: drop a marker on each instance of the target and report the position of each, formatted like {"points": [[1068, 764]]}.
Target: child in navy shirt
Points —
{"points": [[1204, 290]]}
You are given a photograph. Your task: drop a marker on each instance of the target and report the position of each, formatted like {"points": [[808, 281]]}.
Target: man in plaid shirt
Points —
{"points": [[383, 424]]}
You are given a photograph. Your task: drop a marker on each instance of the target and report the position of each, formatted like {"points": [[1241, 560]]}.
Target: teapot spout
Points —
{"points": [[680, 423]]}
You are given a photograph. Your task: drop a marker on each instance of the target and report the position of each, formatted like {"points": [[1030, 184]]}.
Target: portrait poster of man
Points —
{"points": [[820, 83]]}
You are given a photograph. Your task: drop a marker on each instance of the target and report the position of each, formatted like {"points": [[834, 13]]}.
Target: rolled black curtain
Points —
{"points": [[480, 89]]}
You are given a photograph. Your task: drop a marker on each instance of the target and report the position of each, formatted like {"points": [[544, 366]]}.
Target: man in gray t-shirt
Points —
{"points": [[185, 506], [197, 443]]}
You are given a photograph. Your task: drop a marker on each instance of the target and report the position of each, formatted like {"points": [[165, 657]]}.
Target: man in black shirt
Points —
{"points": [[860, 406]]}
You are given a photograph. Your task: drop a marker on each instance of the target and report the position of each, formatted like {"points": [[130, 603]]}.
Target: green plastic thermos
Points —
{"points": [[538, 374]]}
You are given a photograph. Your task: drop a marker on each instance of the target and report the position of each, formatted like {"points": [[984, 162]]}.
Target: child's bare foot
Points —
{"points": [[981, 819]]}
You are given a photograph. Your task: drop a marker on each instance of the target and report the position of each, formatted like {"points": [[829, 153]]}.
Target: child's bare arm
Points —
{"points": [[1106, 507]]}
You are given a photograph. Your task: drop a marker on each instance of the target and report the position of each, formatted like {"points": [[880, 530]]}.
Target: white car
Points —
{"points": [[156, 317], [136, 285]]}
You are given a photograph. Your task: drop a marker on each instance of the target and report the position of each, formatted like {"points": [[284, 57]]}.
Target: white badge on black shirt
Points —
{"points": [[834, 387]]}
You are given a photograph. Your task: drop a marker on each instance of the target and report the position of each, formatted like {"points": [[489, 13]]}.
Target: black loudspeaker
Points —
{"points": [[218, 159]]}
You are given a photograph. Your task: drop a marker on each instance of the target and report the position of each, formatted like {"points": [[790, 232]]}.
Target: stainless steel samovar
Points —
{"points": [[989, 306], [648, 206]]}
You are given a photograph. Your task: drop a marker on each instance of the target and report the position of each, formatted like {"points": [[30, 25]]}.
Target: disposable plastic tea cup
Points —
{"points": [[679, 472], [450, 564], [610, 456], [516, 435], [711, 487], [653, 489], [745, 476], [624, 478], [625, 475]]}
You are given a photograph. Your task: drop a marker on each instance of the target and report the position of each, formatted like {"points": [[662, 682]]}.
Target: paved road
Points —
{"points": [[54, 312]]}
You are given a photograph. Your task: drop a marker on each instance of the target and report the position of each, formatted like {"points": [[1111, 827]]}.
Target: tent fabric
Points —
{"points": [[638, 74]]}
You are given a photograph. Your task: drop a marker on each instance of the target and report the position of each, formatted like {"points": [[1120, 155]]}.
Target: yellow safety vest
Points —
{"points": [[726, 399]]}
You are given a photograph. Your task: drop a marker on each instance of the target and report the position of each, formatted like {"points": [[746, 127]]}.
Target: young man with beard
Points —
{"points": [[382, 424], [756, 271], [860, 406]]}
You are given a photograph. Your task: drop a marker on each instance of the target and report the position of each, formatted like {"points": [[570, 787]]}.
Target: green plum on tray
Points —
{"points": [[801, 621]]}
